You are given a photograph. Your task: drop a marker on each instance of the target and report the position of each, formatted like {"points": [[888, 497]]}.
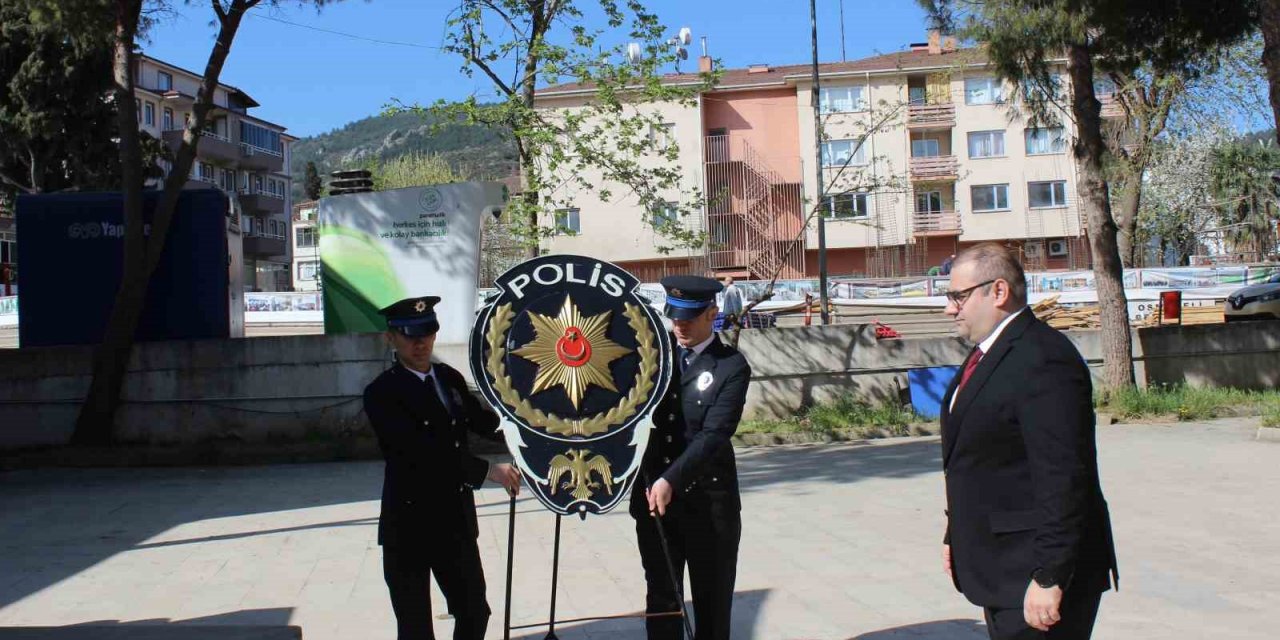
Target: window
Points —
{"points": [[260, 137], [228, 180], [305, 237], [8, 252], [662, 136], [308, 270], [1042, 195], [721, 233], [568, 220], [847, 205], [927, 148], [1033, 92], [983, 91], [842, 99], [929, 202], [257, 184], [308, 213], [1046, 141], [167, 119], [665, 214], [990, 197], [918, 95], [986, 144], [149, 114], [206, 171], [166, 81], [838, 153]]}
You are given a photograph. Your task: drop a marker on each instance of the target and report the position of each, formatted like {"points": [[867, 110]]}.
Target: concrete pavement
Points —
{"points": [[839, 542]]}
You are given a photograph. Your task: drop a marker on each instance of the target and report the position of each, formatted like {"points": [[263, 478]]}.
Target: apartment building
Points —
{"points": [[924, 152], [305, 270], [244, 155]]}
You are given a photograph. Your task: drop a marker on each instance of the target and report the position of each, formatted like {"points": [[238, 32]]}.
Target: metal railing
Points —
{"points": [[250, 149], [934, 167], [754, 215]]}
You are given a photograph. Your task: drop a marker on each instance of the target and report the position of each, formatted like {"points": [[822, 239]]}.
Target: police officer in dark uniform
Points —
{"points": [[689, 477], [421, 412]]}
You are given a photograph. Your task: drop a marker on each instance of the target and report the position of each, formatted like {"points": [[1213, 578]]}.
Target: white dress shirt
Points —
{"points": [[985, 346]]}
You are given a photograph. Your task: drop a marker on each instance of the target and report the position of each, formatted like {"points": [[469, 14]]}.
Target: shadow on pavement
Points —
{"points": [[246, 624], [939, 630], [746, 615], [837, 463]]}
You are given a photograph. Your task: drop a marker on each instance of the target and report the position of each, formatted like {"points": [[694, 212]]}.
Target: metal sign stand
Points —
{"points": [[555, 580]]}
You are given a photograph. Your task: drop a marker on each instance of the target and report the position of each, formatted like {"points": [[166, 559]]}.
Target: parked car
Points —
{"points": [[1255, 302]]}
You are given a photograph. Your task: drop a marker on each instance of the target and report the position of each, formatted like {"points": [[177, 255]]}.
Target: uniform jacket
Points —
{"points": [[430, 470], [1020, 461], [690, 445]]}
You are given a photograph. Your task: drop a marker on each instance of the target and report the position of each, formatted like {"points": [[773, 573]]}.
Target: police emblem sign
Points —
{"points": [[574, 361]]}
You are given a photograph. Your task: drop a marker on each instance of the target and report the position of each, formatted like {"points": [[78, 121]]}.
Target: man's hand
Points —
{"points": [[1040, 606], [507, 476], [946, 560], [659, 497]]}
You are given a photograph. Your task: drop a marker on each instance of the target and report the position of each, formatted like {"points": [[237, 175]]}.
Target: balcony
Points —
{"points": [[212, 148], [263, 244], [261, 203], [931, 116], [935, 223], [258, 158], [935, 169]]}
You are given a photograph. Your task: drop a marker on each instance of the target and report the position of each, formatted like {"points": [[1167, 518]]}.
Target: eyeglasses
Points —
{"points": [[958, 298]]}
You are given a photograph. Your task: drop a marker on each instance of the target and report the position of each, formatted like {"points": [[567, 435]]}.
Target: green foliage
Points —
{"points": [[1271, 413], [1247, 198], [475, 152], [413, 170], [844, 414], [56, 131], [1188, 403], [603, 144], [312, 185]]}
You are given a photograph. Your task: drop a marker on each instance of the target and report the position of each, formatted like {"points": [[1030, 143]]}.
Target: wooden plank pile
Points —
{"points": [[1088, 317]]}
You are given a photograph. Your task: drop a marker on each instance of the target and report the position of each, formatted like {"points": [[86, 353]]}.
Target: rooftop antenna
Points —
{"points": [[682, 40]]}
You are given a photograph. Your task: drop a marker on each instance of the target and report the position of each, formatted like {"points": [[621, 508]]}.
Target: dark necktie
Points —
{"points": [[440, 393], [969, 366], [686, 357]]}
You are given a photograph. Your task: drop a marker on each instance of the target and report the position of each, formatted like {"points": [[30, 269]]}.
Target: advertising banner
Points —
{"points": [[379, 248]]}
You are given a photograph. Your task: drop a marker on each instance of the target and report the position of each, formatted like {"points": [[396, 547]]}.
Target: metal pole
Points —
{"points": [[511, 545], [555, 581], [676, 581], [842, 56], [817, 144]]}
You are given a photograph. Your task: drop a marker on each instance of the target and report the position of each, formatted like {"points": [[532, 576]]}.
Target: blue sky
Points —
{"points": [[312, 82]]}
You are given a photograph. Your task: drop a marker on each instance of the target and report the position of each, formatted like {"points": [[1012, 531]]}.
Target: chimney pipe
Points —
{"points": [[705, 64]]}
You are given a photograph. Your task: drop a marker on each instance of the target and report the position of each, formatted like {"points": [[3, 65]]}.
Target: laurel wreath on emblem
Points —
{"points": [[639, 394]]}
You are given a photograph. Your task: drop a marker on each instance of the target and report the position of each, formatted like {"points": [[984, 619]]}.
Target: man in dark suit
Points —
{"points": [[421, 412], [1028, 533], [689, 477]]}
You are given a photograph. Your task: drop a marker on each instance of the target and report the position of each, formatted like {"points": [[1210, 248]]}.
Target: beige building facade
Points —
{"points": [[924, 152], [243, 155]]}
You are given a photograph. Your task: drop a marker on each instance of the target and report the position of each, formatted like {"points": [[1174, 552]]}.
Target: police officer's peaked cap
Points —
{"points": [[413, 317], [689, 296]]}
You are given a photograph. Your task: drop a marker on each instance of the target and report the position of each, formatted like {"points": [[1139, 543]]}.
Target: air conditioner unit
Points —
{"points": [[1033, 249], [248, 151], [1057, 247]]}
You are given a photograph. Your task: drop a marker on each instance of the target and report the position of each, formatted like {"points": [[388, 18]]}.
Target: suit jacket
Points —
{"points": [[690, 445], [1021, 466], [430, 471]]}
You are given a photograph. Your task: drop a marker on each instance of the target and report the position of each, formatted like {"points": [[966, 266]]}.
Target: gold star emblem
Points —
{"points": [[420, 307], [572, 352]]}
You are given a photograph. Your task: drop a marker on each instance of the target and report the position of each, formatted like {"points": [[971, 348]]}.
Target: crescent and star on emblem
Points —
{"points": [[572, 352]]}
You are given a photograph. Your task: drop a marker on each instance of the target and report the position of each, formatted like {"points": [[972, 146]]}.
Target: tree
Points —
{"points": [[412, 170], [56, 131], [608, 142], [1222, 86], [1177, 202], [142, 252], [1247, 198], [1269, 24], [312, 186], [1027, 38]]}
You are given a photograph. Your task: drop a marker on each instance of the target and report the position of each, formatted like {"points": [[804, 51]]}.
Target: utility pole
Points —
{"points": [[817, 145]]}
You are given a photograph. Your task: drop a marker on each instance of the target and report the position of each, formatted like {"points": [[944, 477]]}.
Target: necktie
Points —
{"points": [[686, 356], [441, 393], [969, 366]]}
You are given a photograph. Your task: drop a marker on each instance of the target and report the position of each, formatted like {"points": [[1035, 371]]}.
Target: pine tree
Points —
{"points": [[311, 183]]}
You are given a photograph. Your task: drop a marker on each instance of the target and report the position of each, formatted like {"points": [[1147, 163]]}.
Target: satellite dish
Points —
{"points": [[686, 36], [633, 53], [682, 53]]}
